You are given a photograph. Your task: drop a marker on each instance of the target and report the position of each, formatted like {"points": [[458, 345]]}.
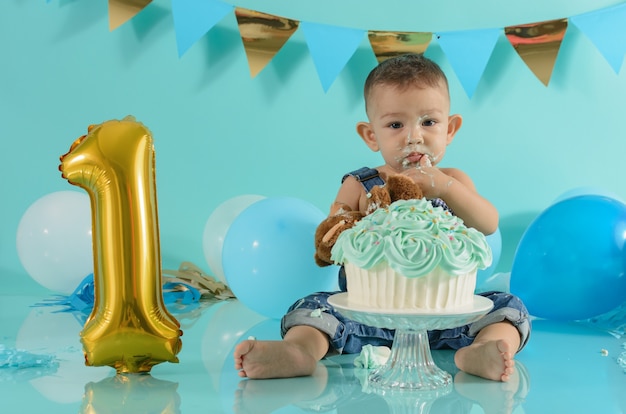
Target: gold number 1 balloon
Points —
{"points": [[129, 328]]}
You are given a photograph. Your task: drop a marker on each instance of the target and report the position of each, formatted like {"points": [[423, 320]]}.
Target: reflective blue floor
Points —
{"points": [[566, 368]]}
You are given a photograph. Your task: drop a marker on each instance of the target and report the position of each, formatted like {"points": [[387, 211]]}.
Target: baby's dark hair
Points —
{"points": [[406, 70]]}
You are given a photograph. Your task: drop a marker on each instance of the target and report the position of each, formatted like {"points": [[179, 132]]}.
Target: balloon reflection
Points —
{"points": [[44, 331]]}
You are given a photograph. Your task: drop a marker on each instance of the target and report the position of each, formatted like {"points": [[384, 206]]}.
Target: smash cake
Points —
{"points": [[411, 255]]}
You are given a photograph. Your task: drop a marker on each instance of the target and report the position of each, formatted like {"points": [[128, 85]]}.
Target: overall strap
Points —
{"points": [[368, 177]]}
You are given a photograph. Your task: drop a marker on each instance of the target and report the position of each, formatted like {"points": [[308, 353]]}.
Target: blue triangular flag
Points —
{"points": [[606, 29], [468, 52], [194, 18], [331, 47]]}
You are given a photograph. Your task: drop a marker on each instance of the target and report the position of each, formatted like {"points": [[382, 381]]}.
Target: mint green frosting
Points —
{"points": [[413, 237]]}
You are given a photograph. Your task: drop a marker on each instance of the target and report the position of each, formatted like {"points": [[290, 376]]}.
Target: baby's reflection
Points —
{"points": [[131, 393], [342, 388]]}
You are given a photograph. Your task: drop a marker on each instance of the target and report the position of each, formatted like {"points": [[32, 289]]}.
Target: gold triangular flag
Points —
{"points": [[121, 11], [263, 35], [538, 45], [390, 44]]}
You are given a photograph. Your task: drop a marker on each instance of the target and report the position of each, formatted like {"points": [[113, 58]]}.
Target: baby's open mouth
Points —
{"points": [[414, 157]]}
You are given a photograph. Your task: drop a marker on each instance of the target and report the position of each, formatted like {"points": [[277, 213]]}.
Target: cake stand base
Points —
{"points": [[410, 365]]}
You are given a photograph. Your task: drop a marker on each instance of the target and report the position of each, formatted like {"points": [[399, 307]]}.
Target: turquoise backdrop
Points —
{"points": [[220, 133]]}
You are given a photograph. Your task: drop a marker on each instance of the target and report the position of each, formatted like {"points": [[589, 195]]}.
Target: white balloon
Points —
{"points": [[217, 226], [54, 241]]}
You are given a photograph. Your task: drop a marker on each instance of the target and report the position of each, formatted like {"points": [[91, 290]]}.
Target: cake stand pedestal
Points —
{"points": [[410, 365]]}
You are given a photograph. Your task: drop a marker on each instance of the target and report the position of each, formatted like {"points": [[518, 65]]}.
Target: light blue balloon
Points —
{"points": [[268, 255], [495, 242], [571, 262]]}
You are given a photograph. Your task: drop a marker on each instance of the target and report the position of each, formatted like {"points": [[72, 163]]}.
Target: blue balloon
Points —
{"points": [[581, 191], [570, 263], [495, 242], [268, 255]]}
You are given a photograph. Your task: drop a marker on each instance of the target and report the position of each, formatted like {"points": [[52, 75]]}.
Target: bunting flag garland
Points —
{"points": [[468, 52], [538, 45], [263, 36], [390, 44], [331, 47], [121, 11], [194, 18], [607, 31]]}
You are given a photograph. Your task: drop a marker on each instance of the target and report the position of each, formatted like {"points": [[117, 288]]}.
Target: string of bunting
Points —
{"points": [[331, 47]]}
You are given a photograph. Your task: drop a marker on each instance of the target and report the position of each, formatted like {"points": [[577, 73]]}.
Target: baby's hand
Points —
{"points": [[430, 179], [425, 161]]}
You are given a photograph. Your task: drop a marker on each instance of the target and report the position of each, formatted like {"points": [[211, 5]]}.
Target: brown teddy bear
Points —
{"points": [[397, 187]]}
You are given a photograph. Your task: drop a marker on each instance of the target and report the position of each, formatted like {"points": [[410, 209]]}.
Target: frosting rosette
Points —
{"points": [[413, 237]]}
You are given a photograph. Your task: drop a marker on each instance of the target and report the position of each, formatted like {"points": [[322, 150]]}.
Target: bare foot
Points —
{"points": [[492, 360], [272, 359]]}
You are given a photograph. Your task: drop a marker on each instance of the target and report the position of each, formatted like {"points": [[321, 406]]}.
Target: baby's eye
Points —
{"points": [[429, 122], [395, 125]]}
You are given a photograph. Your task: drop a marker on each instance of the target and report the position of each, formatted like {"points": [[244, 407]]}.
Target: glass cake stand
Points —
{"points": [[410, 365]]}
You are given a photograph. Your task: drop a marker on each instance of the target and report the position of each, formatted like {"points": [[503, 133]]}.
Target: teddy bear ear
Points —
{"points": [[401, 187]]}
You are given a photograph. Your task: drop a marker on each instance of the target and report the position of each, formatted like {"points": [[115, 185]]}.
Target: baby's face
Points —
{"points": [[410, 125]]}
